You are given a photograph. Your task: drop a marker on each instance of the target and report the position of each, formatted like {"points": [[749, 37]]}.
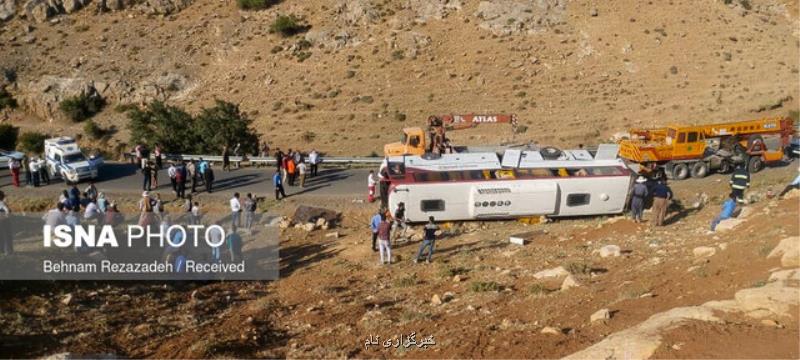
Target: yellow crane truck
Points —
{"points": [[696, 150]]}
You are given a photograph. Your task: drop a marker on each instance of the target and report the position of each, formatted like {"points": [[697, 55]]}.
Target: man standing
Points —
{"points": [[180, 180], [147, 177], [374, 223], [428, 240], [384, 184], [34, 166], [236, 209], [226, 159], [14, 165], [291, 170], [6, 235], [384, 228], [43, 173], [728, 207], [234, 246], [301, 169], [371, 186], [208, 178], [662, 195], [157, 155], [191, 170], [638, 195], [278, 159], [314, 159], [277, 181], [399, 221], [172, 177], [740, 181], [249, 212]]}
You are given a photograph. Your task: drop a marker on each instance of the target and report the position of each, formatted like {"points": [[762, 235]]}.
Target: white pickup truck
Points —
{"points": [[6, 156], [66, 160]]}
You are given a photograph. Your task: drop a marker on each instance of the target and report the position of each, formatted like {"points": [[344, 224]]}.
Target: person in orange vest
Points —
{"points": [[291, 170]]}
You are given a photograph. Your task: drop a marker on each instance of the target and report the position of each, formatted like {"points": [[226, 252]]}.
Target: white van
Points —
{"points": [[66, 160]]}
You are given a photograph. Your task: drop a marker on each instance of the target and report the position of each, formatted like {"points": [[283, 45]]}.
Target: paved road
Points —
{"points": [[125, 178]]}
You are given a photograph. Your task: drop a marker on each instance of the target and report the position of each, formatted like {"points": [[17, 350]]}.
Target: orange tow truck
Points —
{"points": [[696, 150], [419, 141]]}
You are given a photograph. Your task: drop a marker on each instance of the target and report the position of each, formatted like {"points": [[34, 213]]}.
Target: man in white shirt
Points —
{"points": [[34, 166], [91, 211], [172, 172], [371, 181], [236, 210], [314, 159], [302, 170]]}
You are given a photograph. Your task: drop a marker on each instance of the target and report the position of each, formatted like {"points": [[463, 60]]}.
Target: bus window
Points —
{"points": [[681, 138], [578, 199], [504, 174], [431, 205], [563, 172]]}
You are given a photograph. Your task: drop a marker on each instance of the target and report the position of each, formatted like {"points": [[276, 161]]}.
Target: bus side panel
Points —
{"points": [[592, 196], [452, 197], [509, 199]]}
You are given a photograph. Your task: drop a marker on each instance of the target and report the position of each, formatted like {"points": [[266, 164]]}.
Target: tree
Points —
{"points": [[225, 125], [8, 136], [32, 142], [169, 126]]}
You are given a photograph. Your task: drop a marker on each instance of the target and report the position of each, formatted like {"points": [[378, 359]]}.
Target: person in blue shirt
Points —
{"points": [[728, 208], [277, 181], [793, 185], [234, 246], [373, 225]]}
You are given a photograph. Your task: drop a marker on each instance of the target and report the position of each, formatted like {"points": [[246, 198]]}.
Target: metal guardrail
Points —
{"points": [[263, 160]]}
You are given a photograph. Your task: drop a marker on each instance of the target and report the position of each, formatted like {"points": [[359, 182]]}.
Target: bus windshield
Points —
{"points": [[72, 158]]}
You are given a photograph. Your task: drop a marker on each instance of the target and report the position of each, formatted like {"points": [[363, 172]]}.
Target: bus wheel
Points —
{"points": [[680, 171], [699, 169], [755, 164]]}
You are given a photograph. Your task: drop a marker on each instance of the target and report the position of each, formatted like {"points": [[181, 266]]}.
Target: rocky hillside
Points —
{"points": [[361, 70]]}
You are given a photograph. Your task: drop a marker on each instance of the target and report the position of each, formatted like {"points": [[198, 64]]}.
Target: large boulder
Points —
{"points": [[43, 97], [8, 8], [71, 6], [356, 12], [166, 7], [41, 10], [504, 17], [789, 252], [433, 9]]}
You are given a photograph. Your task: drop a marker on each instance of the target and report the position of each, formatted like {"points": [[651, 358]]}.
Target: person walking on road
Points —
{"points": [[384, 228], [301, 169], [249, 212], [374, 223], [6, 234], [428, 240], [662, 195], [728, 208], [639, 194], [44, 175], [25, 166], [14, 166], [154, 175], [278, 159], [371, 181], [277, 182], [34, 166], [740, 181], [172, 180], [157, 155], [236, 211], [191, 171], [226, 159], [208, 178], [314, 160], [148, 178], [291, 170]]}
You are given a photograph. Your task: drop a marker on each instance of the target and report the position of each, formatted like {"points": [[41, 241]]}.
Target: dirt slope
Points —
{"points": [[575, 72]]}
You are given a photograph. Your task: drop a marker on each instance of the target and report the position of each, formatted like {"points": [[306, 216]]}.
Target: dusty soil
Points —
{"points": [[578, 79], [332, 294]]}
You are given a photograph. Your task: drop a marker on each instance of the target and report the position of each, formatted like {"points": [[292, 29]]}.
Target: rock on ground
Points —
{"points": [[728, 224], [554, 272], [602, 314], [8, 8], [569, 282], [789, 251], [704, 251], [433, 9], [610, 250], [504, 17]]}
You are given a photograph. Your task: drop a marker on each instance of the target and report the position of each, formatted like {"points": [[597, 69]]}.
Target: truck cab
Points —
{"points": [[687, 142], [66, 160], [414, 142]]}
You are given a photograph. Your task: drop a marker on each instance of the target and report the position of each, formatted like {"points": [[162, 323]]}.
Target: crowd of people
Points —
{"points": [[34, 169]]}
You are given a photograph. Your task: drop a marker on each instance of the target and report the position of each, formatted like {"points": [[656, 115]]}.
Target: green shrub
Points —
{"points": [[484, 286], [94, 131], [538, 290], [6, 101], [8, 136], [578, 268], [286, 25], [406, 281], [255, 4], [32, 142], [81, 107]]}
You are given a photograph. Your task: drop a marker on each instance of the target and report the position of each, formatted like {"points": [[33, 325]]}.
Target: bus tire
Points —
{"points": [[755, 164], [680, 171], [550, 153], [699, 170]]}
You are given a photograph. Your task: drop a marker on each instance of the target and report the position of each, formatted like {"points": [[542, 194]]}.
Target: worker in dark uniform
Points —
{"points": [[740, 181]]}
